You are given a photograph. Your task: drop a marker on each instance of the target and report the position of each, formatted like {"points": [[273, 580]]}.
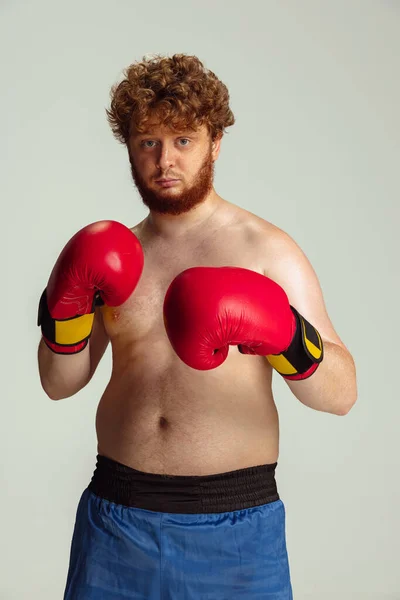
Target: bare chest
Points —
{"points": [[141, 316]]}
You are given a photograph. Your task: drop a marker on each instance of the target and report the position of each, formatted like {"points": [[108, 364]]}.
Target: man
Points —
{"points": [[183, 502]]}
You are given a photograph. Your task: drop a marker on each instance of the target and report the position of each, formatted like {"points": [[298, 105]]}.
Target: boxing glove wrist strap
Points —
{"points": [[66, 336], [304, 354]]}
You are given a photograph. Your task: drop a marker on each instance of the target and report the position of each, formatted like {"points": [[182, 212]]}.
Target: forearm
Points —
{"points": [[63, 376], [333, 387]]}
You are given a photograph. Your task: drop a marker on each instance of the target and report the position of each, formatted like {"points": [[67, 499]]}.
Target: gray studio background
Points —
{"points": [[315, 90]]}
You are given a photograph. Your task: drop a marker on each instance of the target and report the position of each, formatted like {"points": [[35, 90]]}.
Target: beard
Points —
{"points": [[167, 203]]}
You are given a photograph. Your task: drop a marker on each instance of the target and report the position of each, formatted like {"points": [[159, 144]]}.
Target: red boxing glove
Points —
{"points": [[102, 263], [207, 309]]}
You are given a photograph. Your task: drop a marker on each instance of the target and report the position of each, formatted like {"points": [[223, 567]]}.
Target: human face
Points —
{"points": [[185, 157]]}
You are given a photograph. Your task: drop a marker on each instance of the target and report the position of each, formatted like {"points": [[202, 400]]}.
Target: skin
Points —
{"points": [[157, 415]]}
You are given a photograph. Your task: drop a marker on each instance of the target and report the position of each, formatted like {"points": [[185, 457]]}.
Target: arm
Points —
{"points": [[333, 387], [101, 263], [63, 376]]}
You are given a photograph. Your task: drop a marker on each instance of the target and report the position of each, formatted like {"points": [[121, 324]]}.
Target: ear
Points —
{"points": [[216, 146]]}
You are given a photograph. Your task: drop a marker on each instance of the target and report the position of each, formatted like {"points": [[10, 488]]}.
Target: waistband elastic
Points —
{"points": [[223, 492]]}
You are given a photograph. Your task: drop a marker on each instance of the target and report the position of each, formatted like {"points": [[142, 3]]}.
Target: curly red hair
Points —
{"points": [[179, 91]]}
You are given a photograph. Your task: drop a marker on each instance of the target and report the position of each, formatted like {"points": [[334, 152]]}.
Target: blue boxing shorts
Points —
{"points": [[161, 537]]}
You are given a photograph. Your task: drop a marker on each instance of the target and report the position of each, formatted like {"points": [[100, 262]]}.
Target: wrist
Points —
{"points": [[304, 354], [68, 335]]}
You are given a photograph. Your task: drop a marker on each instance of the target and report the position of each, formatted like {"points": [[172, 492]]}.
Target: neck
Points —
{"points": [[174, 226]]}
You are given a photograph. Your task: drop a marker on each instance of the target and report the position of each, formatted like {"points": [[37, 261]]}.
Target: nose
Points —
{"points": [[166, 156]]}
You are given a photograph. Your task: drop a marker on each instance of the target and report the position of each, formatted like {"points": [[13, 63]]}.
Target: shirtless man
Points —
{"points": [[183, 501]]}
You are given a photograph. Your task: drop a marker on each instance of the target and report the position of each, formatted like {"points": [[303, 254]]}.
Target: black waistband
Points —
{"points": [[196, 494]]}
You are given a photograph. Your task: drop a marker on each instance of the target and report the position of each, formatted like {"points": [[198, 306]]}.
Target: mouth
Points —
{"points": [[167, 182]]}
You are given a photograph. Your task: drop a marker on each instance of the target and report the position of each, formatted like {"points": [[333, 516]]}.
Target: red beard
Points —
{"points": [[178, 203]]}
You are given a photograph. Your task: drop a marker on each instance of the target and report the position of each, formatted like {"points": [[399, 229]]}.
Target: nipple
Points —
{"points": [[115, 315], [111, 314]]}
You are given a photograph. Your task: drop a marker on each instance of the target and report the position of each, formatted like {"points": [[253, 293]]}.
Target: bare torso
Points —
{"points": [[159, 415]]}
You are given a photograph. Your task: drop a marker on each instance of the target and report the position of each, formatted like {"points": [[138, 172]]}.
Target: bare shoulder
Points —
{"points": [[271, 240], [138, 227], [262, 231], [286, 263]]}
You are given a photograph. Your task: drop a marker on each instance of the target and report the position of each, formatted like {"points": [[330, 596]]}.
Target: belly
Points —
{"points": [[159, 416]]}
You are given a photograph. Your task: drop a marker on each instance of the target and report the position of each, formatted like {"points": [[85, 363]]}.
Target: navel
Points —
{"points": [[163, 423]]}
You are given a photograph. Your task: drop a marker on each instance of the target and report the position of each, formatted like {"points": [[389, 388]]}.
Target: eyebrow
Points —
{"points": [[180, 134]]}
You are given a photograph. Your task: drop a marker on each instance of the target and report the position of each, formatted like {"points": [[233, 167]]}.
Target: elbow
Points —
{"points": [[59, 394], [351, 396], [346, 408], [50, 393], [53, 395]]}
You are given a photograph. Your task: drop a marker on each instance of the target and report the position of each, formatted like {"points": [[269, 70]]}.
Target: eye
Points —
{"points": [[144, 144], [185, 140]]}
